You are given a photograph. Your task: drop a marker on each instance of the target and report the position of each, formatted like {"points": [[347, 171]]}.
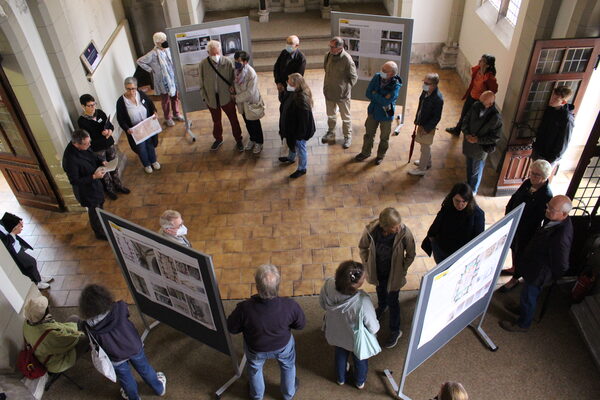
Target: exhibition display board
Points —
{"points": [[171, 283], [456, 292], [372, 40], [188, 49]]}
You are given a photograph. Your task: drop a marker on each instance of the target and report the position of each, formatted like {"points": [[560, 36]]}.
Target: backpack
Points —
{"points": [[28, 364]]}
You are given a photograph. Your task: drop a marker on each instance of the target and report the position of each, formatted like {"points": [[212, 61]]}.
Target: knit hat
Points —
{"points": [[9, 221], [35, 309]]}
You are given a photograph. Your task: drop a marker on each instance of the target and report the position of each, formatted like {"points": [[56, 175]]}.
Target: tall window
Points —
{"points": [[508, 9]]}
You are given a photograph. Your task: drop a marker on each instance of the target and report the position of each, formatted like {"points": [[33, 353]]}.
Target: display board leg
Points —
{"points": [[484, 337], [188, 129], [395, 387], [234, 378], [148, 328]]}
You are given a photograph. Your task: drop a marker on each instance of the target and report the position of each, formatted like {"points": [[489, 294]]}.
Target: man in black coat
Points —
{"points": [[82, 168], [544, 260], [554, 132], [290, 60], [10, 228]]}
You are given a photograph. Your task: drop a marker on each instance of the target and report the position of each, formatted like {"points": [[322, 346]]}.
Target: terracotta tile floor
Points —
{"points": [[244, 211]]}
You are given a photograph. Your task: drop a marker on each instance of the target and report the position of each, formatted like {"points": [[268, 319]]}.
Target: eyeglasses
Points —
{"points": [[131, 88], [536, 174], [91, 105]]}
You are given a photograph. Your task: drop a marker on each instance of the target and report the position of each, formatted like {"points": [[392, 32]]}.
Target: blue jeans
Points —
{"points": [[286, 357], [146, 153], [148, 374], [361, 367], [475, 173], [302, 158], [529, 296], [385, 299]]}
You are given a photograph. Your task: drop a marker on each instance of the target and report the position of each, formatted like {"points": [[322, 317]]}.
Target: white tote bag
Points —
{"points": [[101, 361]]}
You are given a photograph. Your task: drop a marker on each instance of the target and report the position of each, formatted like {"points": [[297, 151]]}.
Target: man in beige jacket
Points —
{"points": [[216, 87], [340, 76]]}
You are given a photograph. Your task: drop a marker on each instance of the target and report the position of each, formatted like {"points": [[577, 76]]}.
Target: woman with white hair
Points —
{"points": [[535, 192], [159, 63]]}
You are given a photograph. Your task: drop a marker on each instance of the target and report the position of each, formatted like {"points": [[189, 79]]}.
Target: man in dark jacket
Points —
{"points": [[544, 260], [266, 321], [555, 129], [482, 127], [290, 60], [82, 168], [428, 115]]}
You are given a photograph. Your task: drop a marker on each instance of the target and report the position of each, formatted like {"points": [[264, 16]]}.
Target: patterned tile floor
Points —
{"points": [[244, 211]]}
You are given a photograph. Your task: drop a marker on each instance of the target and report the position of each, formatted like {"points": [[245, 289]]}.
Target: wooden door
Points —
{"points": [[20, 159], [566, 62]]}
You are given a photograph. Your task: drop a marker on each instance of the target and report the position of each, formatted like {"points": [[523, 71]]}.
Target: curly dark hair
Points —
{"points": [[95, 300], [464, 191], [347, 275]]}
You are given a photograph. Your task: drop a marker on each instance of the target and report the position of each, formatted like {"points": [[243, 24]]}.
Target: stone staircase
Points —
{"points": [[266, 50], [587, 318]]}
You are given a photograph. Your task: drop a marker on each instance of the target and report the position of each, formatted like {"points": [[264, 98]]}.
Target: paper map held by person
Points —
{"points": [[145, 129]]}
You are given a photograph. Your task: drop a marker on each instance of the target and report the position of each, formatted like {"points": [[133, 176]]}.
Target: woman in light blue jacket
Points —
{"points": [[342, 301]]}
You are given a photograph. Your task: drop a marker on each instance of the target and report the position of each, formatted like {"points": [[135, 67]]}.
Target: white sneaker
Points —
{"points": [[43, 285], [328, 137], [257, 148], [156, 165], [347, 142], [249, 145], [417, 172], [148, 169], [418, 162], [163, 379], [178, 118], [47, 279], [170, 122], [124, 396]]}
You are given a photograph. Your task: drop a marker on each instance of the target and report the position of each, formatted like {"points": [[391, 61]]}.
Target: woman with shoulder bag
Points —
{"points": [[350, 322], [249, 102]]}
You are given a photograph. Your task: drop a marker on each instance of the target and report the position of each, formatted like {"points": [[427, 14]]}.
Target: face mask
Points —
{"points": [[238, 65], [382, 75], [164, 45], [289, 48], [182, 231], [290, 88], [215, 58], [425, 87]]}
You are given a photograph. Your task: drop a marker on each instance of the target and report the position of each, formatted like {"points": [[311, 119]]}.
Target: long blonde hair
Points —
{"points": [[301, 87], [453, 391]]}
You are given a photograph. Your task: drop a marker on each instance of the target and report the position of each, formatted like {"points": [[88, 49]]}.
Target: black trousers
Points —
{"points": [[95, 220], [254, 130], [466, 106], [28, 266]]}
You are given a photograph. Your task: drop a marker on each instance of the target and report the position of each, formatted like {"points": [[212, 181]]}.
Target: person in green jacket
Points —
{"points": [[58, 347]]}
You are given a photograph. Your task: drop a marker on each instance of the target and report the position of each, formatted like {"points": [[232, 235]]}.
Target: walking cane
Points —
{"points": [[412, 144]]}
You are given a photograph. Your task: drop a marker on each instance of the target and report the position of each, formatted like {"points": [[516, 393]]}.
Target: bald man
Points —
{"points": [[482, 127], [383, 92], [544, 260], [290, 60]]}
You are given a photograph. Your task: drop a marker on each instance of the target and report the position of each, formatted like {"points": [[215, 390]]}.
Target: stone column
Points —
{"points": [[447, 58], [263, 11], [294, 6], [326, 9]]}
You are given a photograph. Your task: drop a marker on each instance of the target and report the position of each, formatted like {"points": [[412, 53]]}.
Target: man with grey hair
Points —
{"points": [[289, 61], [544, 260], [383, 92], [216, 87], [340, 76], [172, 227], [83, 168], [266, 321]]}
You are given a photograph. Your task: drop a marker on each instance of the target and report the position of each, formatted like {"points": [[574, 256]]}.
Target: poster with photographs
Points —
{"points": [[374, 42], [192, 49], [461, 285], [164, 275]]}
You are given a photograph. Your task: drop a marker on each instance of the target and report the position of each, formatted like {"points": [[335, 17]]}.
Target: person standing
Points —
{"points": [[10, 228], [246, 95], [132, 108], [429, 113], [290, 61], [483, 78], [159, 63], [95, 122], [387, 248], [482, 127], [382, 92], [266, 321], [172, 227], [554, 133], [82, 168], [340, 76], [343, 302], [216, 87], [543, 261], [297, 124]]}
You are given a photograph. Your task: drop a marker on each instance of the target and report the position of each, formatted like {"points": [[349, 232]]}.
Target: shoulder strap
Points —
{"points": [[41, 338], [218, 73]]}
